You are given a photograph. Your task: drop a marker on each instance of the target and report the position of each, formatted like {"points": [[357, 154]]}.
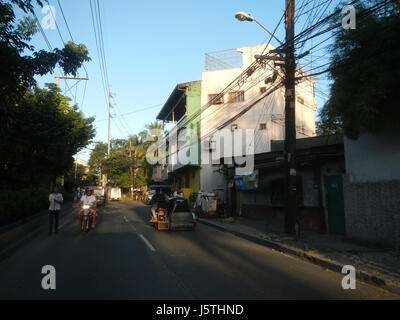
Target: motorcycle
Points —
{"points": [[159, 218], [86, 217]]}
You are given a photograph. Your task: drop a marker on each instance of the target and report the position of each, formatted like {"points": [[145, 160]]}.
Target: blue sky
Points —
{"points": [[150, 47]]}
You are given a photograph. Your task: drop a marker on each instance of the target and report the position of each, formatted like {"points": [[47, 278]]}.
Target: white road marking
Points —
{"points": [[147, 242]]}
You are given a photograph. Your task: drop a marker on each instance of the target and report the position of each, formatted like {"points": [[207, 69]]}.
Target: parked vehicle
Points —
{"points": [[150, 196], [204, 204], [114, 194], [99, 193], [86, 217]]}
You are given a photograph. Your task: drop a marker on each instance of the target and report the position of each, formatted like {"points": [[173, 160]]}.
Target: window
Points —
{"points": [[216, 98], [263, 126], [237, 96], [263, 89]]}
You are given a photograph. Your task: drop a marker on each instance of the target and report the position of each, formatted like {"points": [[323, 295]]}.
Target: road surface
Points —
{"points": [[125, 258]]}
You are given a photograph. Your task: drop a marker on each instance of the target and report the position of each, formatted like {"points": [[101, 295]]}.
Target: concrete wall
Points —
{"points": [[373, 158], [372, 188], [373, 211]]}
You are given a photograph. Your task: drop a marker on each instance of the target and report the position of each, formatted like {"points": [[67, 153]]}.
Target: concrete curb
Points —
{"points": [[377, 280], [18, 234]]}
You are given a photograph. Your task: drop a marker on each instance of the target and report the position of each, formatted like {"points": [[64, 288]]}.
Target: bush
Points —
{"points": [[19, 204], [22, 203]]}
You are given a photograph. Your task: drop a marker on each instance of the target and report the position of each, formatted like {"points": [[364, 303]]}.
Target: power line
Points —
{"points": [[69, 30], [46, 40], [132, 112], [55, 21], [239, 80], [104, 84]]}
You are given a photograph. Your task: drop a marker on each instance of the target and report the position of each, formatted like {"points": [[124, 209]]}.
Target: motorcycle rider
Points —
{"points": [[89, 199]]}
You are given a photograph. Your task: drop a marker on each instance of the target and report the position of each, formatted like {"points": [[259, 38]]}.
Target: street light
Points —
{"points": [[291, 214], [242, 16]]}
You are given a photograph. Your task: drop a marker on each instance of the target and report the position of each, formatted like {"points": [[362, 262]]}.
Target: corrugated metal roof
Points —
{"points": [[312, 142], [172, 101]]}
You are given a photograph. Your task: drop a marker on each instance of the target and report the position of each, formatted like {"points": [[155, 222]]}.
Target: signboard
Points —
{"points": [[248, 182]]}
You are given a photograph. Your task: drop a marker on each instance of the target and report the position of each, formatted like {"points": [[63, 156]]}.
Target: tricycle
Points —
{"points": [[173, 214]]}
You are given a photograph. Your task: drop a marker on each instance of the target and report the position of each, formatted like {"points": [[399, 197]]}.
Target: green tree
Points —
{"points": [[45, 134], [117, 165], [77, 176], [20, 62], [365, 69], [97, 161]]}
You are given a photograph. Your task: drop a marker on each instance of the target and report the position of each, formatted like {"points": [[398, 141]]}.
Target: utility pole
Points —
{"points": [[130, 167], [58, 77], [76, 166], [101, 174], [291, 219], [109, 122]]}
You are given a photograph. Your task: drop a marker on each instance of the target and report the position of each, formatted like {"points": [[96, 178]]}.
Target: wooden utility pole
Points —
{"points": [[101, 175], [76, 166], [109, 123], [291, 219], [130, 167], [58, 77]]}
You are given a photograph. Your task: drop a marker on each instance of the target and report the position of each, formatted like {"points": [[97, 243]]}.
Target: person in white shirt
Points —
{"points": [[55, 201], [91, 200]]}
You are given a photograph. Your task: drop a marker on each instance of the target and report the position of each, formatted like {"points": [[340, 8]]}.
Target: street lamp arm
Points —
{"points": [[242, 16], [270, 33]]}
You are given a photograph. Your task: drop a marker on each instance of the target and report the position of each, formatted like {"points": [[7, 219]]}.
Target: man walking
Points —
{"points": [[55, 200]]}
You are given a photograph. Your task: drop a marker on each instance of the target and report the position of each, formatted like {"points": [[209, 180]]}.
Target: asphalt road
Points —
{"points": [[125, 258]]}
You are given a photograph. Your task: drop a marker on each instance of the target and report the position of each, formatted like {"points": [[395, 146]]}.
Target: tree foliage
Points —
{"points": [[45, 134], [20, 62], [39, 130], [365, 69], [117, 166]]}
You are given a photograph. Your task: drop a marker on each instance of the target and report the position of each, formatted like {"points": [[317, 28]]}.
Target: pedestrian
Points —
{"points": [[55, 200]]}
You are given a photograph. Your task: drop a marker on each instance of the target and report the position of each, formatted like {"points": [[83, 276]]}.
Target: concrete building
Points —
{"points": [[250, 103], [320, 164], [182, 110]]}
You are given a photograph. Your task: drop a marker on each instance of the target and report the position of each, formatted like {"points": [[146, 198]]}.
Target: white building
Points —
{"points": [[247, 104]]}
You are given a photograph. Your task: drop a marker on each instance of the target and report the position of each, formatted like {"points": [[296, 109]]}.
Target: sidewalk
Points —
{"points": [[16, 235], [375, 265]]}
